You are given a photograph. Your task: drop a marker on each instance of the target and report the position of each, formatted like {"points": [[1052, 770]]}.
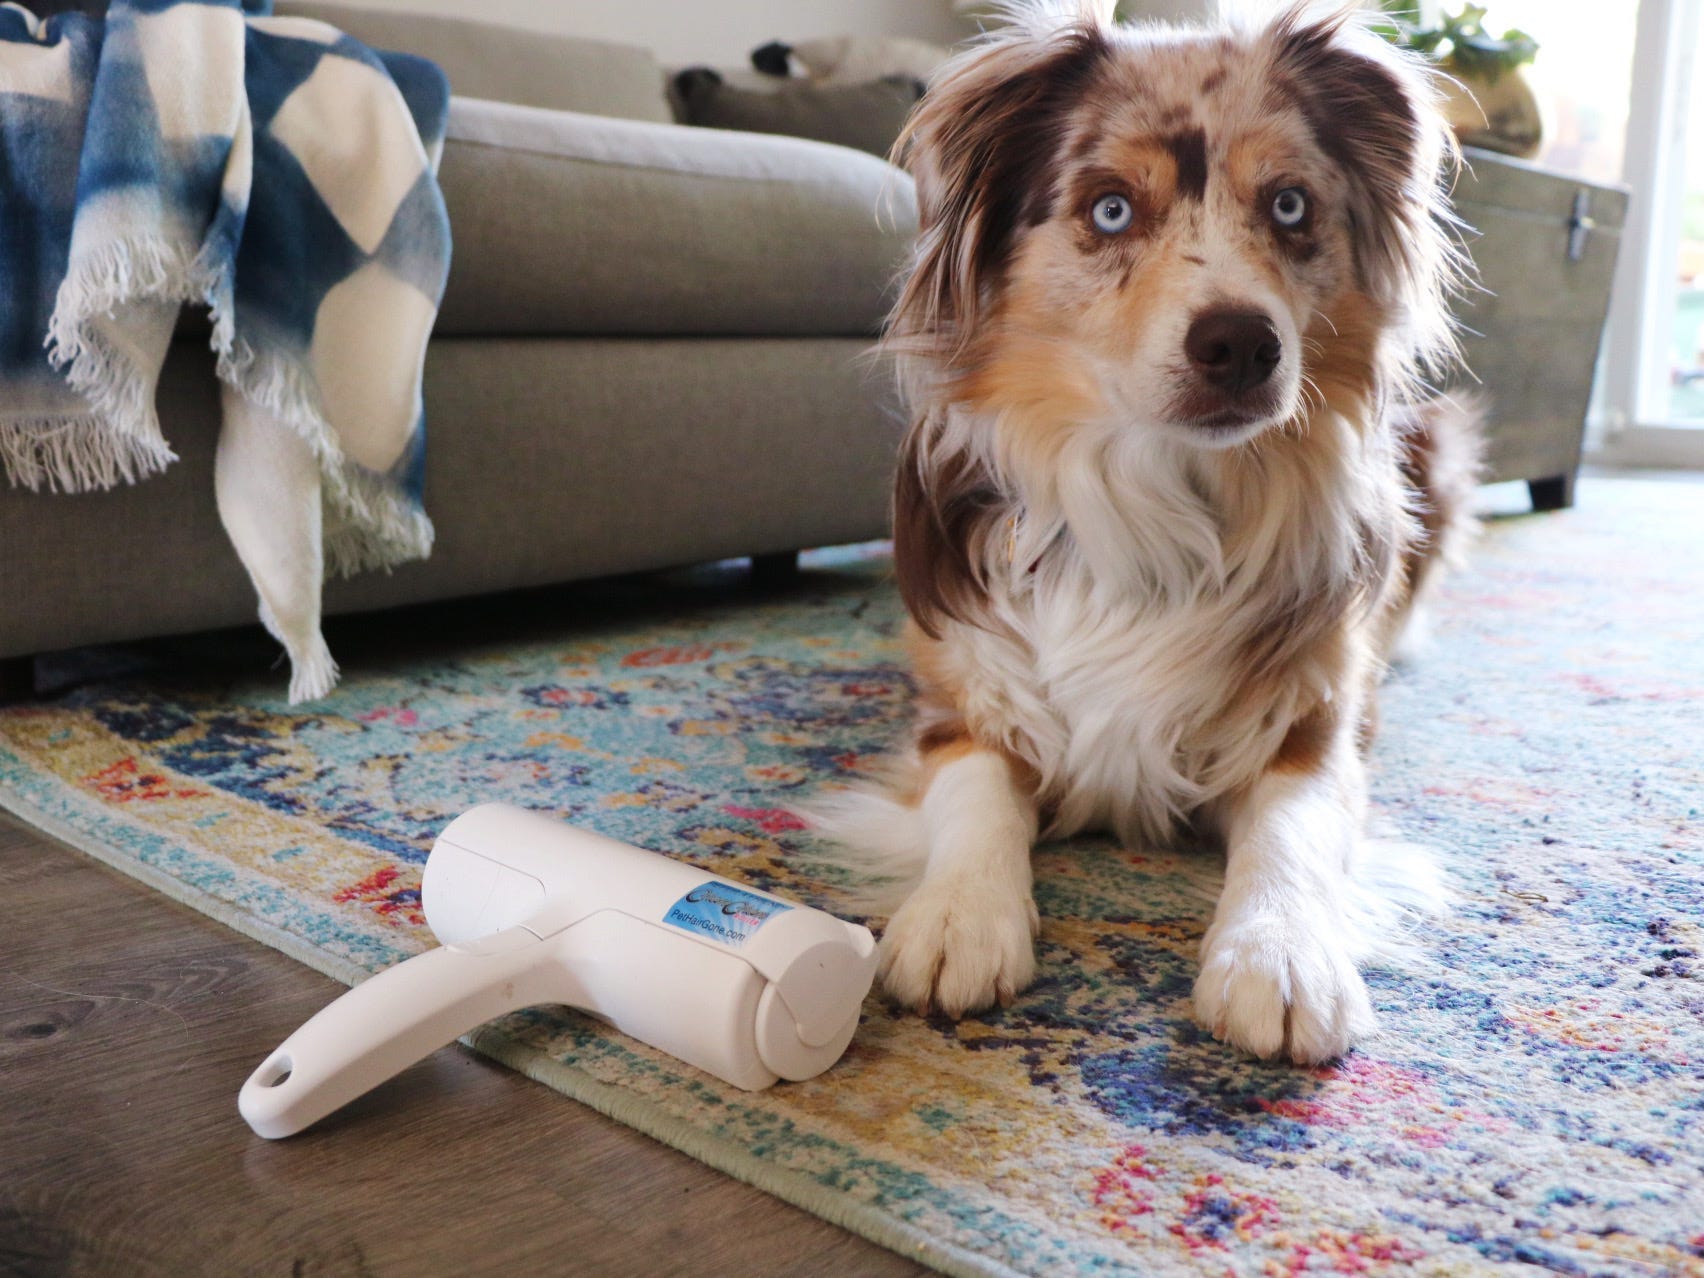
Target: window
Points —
{"points": [[1582, 77], [1652, 388], [1614, 80], [1685, 362]]}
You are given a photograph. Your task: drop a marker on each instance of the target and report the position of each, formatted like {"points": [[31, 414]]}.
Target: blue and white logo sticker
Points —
{"points": [[722, 912]]}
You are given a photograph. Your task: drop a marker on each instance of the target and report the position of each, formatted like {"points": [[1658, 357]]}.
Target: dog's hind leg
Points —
{"points": [[1442, 457], [965, 937]]}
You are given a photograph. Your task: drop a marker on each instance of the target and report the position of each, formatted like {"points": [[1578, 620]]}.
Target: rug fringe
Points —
{"points": [[733, 1158]]}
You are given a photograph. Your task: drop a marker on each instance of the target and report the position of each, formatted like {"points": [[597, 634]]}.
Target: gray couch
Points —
{"points": [[650, 352]]}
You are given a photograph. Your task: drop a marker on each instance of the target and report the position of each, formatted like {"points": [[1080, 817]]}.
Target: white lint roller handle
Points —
{"points": [[740, 983]]}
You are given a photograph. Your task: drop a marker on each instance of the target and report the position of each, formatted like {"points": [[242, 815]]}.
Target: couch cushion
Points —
{"points": [[509, 64], [572, 224]]}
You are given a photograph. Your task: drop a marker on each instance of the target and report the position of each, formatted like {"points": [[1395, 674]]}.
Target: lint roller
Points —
{"points": [[744, 985]]}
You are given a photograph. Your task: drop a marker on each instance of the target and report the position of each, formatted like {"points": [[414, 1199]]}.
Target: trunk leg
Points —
{"points": [[1555, 493]]}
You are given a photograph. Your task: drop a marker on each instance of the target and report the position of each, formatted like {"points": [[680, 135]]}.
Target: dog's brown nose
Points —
{"points": [[1232, 350]]}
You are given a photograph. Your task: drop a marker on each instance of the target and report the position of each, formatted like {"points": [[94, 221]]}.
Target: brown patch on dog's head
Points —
{"points": [[1344, 343], [1360, 112], [1188, 151]]}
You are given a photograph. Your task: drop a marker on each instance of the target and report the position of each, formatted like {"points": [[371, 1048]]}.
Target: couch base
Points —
{"points": [[549, 460], [1554, 493], [17, 679], [776, 571]]}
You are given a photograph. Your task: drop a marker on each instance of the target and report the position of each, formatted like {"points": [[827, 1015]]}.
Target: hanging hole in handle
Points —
{"points": [[274, 1072]]}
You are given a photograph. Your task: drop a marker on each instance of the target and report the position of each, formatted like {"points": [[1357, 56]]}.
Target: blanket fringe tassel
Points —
{"points": [[76, 454], [368, 525], [134, 272], [142, 271], [313, 670]]}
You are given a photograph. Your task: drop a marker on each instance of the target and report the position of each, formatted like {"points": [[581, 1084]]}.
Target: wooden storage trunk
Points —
{"points": [[1545, 248]]}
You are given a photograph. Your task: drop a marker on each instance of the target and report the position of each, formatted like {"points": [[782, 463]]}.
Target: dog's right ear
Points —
{"points": [[984, 146]]}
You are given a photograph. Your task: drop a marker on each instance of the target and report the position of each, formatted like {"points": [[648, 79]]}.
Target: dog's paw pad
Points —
{"points": [[1275, 988], [958, 948]]}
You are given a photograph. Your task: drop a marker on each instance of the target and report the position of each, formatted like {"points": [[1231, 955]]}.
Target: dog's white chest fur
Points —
{"points": [[1115, 658], [1117, 704]]}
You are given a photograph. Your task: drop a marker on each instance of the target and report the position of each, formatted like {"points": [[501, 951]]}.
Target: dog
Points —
{"points": [[1171, 487]]}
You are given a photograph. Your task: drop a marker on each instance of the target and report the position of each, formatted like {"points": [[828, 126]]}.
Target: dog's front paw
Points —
{"points": [[957, 947], [1280, 986]]}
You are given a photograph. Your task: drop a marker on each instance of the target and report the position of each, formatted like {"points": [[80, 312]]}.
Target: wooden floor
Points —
{"points": [[127, 1024]]}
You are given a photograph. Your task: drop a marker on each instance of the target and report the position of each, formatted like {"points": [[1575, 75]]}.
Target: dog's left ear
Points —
{"points": [[1374, 110]]}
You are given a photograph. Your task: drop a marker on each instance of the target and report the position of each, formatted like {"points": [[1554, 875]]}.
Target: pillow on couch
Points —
{"points": [[867, 117], [852, 59]]}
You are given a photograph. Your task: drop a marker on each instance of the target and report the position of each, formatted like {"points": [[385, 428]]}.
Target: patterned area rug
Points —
{"points": [[1535, 1097]]}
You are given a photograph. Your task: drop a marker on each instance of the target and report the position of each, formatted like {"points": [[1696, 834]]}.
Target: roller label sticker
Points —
{"points": [[722, 912]]}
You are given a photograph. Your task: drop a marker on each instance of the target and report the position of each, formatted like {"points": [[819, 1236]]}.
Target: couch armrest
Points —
{"points": [[577, 224]]}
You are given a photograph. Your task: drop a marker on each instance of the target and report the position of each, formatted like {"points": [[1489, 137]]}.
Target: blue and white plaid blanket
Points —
{"points": [[282, 175]]}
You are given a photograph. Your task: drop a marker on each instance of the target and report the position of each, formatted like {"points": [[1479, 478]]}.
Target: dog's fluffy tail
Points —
{"points": [[1443, 460], [874, 840], [1394, 887]]}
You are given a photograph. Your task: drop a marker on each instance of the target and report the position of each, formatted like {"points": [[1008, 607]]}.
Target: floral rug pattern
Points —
{"points": [[1536, 1097]]}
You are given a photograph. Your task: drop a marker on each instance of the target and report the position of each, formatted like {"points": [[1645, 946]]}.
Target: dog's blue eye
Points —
{"points": [[1112, 214], [1290, 206]]}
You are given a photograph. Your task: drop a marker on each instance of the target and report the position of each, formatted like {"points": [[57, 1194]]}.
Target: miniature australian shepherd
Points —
{"points": [[1171, 487]]}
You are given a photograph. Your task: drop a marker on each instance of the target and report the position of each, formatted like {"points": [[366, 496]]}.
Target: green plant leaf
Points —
{"points": [[1461, 41]]}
